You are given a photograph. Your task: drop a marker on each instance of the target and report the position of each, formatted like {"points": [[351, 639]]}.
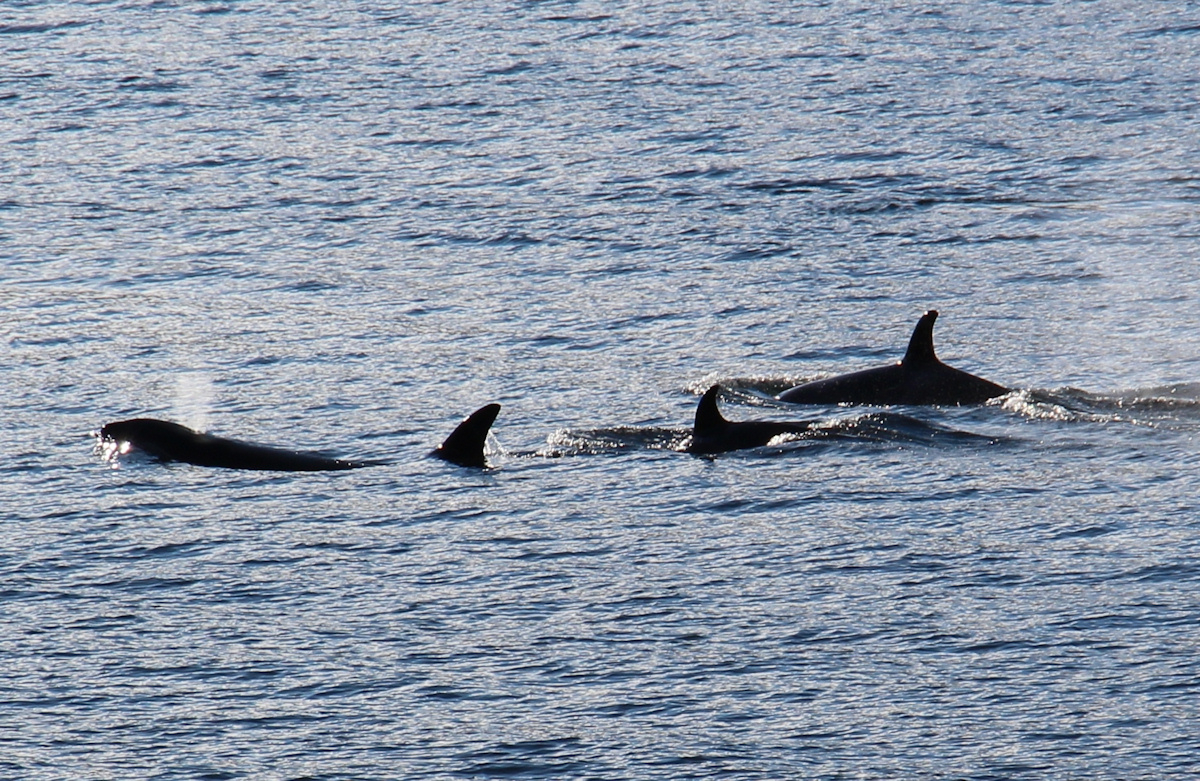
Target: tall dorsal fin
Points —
{"points": [[708, 416], [465, 444], [920, 346]]}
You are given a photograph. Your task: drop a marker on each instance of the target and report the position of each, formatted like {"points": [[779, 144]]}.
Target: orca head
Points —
{"points": [[116, 432], [137, 430], [158, 438]]}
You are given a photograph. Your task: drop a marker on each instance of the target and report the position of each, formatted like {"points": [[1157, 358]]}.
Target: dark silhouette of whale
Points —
{"points": [[466, 443], [712, 433], [920, 378], [168, 441]]}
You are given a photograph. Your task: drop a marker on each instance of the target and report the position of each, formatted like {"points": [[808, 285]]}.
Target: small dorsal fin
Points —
{"points": [[708, 416], [465, 444], [920, 346]]}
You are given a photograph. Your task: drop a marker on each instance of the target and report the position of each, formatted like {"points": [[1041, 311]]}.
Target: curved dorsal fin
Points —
{"points": [[708, 416], [920, 346], [465, 444]]}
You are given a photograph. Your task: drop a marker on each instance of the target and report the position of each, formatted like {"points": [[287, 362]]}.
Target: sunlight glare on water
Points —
{"points": [[343, 228]]}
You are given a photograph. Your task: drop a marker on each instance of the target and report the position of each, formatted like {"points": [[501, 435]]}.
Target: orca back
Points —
{"points": [[713, 433], [920, 378], [169, 441]]}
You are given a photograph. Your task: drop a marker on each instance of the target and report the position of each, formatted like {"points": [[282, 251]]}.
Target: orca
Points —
{"points": [[465, 445], [712, 433], [169, 441], [920, 378]]}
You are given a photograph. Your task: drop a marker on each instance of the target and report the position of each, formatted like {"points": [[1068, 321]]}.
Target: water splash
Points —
{"points": [[616, 439], [1169, 406], [193, 399]]}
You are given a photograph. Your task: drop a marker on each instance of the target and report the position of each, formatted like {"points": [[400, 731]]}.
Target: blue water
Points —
{"points": [[343, 227]]}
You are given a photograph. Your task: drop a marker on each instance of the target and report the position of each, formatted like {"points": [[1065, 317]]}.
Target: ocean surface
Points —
{"points": [[342, 227]]}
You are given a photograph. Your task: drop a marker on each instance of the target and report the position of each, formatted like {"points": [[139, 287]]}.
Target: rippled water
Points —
{"points": [[344, 228]]}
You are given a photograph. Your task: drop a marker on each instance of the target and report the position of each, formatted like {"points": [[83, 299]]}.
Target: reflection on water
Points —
{"points": [[360, 223]]}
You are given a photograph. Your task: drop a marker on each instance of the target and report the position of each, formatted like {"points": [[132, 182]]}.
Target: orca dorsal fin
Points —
{"points": [[920, 346], [708, 415], [465, 444]]}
